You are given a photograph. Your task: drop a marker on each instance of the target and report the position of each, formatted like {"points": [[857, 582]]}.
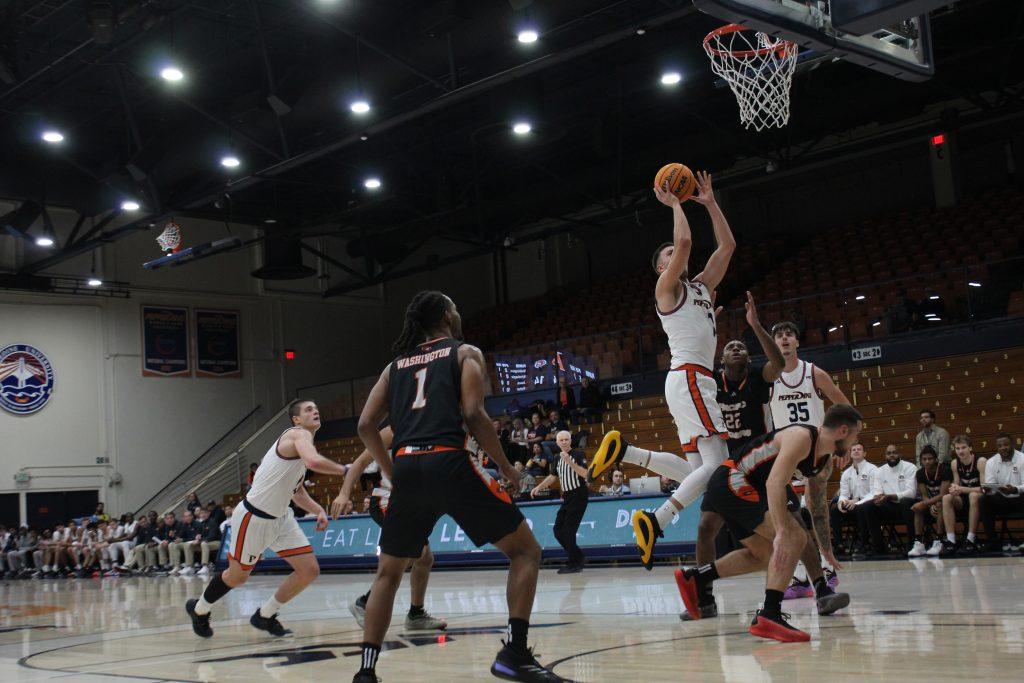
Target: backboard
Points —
{"points": [[901, 48]]}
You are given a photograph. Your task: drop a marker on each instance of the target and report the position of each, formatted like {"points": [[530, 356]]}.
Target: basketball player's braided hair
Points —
{"points": [[424, 314]]}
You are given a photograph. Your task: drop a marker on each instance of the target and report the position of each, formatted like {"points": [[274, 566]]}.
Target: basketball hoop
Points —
{"points": [[170, 238], [759, 70]]}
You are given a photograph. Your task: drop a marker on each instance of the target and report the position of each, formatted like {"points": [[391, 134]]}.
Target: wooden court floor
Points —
{"points": [[925, 620]]}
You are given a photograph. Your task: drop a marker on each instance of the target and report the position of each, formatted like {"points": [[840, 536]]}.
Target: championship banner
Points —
{"points": [[606, 531], [217, 344], [165, 342]]}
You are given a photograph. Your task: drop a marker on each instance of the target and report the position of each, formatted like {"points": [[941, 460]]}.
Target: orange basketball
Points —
{"points": [[680, 180]]}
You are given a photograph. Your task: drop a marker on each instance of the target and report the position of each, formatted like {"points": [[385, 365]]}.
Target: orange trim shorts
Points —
{"points": [[433, 483], [692, 397], [252, 535]]}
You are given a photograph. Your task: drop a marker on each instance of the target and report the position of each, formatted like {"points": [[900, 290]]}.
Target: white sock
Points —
{"points": [[666, 513], [970, 537], [666, 464], [951, 537], [203, 607], [270, 608]]}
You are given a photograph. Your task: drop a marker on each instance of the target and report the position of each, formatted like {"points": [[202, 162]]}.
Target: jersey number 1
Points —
{"points": [[421, 382]]}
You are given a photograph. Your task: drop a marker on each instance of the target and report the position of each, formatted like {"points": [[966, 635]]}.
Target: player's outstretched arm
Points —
{"points": [[667, 289], [824, 382], [773, 368], [342, 504], [303, 442], [374, 411], [475, 414], [817, 504], [718, 264], [548, 481]]}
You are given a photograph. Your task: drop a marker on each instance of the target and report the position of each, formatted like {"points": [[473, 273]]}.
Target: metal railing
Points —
{"points": [[222, 468]]}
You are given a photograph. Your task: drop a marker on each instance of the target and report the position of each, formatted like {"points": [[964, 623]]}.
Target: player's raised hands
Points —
{"points": [[341, 505], [705, 194], [664, 196], [752, 318]]}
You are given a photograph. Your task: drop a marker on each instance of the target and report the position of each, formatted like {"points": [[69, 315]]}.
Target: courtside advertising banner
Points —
{"points": [[606, 530], [165, 342]]}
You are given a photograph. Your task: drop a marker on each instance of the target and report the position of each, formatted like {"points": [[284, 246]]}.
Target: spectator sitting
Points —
{"points": [[513, 409], [144, 552], [538, 466], [26, 545], [518, 441], [225, 522], [537, 432], [487, 464], [894, 492], [366, 505], [1003, 485], [932, 435], [7, 542], [965, 495], [100, 515], [217, 513], [526, 481], [554, 424], [933, 482], [590, 402], [209, 543], [855, 486], [170, 532], [668, 486], [618, 487], [181, 549], [252, 474], [192, 502], [565, 399]]}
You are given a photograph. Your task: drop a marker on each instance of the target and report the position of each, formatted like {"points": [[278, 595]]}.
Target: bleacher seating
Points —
{"points": [[614, 321], [976, 394]]}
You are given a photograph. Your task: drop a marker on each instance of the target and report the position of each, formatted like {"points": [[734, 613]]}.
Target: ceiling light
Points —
{"points": [[934, 297], [931, 315], [860, 297], [528, 36], [935, 320], [172, 74], [671, 78], [371, 183], [359, 107], [832, 329], [94, 282], [230, 162], [270, 221], [44, 242], [876, 323], [974, 284], [53, 137], [129, 205], [364, 138], [521, 128], [641, 31]]}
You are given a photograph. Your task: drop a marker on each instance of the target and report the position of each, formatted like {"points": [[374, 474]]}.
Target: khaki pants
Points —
{"points": [[207, 547], [139, 556], [186, 549]]}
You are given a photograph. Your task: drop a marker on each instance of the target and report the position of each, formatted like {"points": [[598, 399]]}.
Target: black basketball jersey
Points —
{"points": [[933, 480], [743, 405], [425, 397], [757, 457], [969, 477]]}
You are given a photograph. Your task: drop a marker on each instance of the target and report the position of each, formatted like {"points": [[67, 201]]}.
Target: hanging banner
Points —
{"points": [[217, 344], [165, 342]]}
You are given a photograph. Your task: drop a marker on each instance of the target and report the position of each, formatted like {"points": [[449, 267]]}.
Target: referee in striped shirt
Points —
{"points": [[571, 468]]}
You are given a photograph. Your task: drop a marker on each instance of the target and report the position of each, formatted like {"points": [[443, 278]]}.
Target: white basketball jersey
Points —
{"points": [[383, 491], [690, 327], [796, 399], [276, 481]]}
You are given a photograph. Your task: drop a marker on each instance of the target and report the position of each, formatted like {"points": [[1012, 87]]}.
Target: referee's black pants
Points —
{"points": [[567, 523]]}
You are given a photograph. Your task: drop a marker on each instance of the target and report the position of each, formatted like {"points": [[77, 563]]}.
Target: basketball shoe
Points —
{"points": [[777, 628], [647, 530], [522, 666], [609, 453], [799, 589]]}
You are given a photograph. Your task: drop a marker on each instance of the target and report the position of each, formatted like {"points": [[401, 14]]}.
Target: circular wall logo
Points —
{"points": [[26, 379]]}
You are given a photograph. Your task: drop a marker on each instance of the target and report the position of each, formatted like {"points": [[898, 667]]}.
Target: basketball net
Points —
{"points": [[170, 238], [759, 70]]}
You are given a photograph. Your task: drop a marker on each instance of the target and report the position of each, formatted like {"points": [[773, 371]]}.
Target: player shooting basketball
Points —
{"points": [[686, 308]]}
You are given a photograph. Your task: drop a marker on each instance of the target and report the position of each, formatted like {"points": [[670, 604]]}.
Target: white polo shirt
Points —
{"points": [[1003, 472], [856, 482], [900, 481]]}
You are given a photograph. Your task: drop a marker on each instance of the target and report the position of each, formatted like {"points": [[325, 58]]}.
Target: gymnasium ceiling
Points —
{"points": [[445, 79]]}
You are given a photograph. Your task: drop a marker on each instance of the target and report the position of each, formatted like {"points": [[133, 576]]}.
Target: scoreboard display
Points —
{"points": [[528, 373]]}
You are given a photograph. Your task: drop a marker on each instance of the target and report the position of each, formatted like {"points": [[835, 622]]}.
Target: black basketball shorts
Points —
{"points": [[741, 506], [427, 485]]}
